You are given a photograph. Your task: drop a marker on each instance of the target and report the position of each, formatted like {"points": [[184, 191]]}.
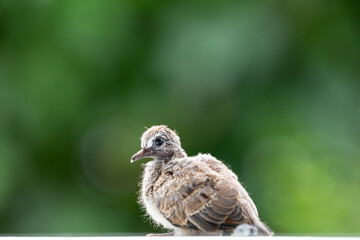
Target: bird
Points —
{"points": [[193, 196]]}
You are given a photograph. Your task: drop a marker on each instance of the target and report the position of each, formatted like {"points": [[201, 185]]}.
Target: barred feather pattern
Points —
{"points": [[197, 195]]}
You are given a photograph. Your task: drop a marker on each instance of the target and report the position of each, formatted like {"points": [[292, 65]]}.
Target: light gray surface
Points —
{"points": [[178, 238]]}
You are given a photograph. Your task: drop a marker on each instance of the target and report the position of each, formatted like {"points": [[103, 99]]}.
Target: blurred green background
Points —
{"points": [[270, 87]]}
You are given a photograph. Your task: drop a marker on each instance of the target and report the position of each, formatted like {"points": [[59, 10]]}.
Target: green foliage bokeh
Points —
{"points": [[270, 87]]}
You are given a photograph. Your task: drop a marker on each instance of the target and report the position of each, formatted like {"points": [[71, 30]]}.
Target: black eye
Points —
{"points": [[159, 141]]}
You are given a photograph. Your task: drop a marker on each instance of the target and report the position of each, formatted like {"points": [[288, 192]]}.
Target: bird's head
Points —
{"points": [[161, 143]]}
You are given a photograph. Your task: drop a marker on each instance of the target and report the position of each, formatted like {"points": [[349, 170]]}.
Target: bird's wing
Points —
{"points": [[190, 194], [219, 167]]}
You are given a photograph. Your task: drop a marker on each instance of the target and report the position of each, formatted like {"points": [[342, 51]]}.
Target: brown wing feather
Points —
{"points": [[224, 209], [200, 195]]}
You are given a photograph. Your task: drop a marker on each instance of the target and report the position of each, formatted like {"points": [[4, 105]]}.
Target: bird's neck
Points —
{"points": [[154, 168], [151, 174], [180, 153]]}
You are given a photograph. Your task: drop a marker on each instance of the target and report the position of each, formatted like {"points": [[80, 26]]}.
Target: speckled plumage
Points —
{"points": [[195, 195]]}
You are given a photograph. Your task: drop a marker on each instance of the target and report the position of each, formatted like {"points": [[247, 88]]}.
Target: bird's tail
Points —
{"points": [[263, 229]]}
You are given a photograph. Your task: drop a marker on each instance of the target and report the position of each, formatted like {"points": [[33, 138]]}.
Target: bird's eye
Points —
{"points": [[159, 141]]}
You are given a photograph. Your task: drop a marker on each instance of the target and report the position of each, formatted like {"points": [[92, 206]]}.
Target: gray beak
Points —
{"points": [[143, 153]]}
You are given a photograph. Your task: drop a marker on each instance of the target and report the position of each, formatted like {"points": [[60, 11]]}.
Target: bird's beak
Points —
{"points": [[143, 153]]}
